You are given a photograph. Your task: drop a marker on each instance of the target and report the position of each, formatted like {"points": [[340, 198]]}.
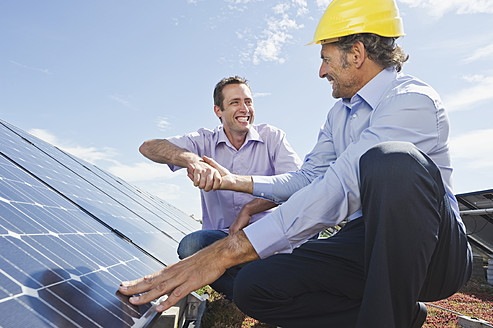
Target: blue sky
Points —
{"points": [[98, 77]]}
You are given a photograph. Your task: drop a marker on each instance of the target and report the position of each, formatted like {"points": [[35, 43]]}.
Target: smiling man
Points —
{"points": [[243, 148]]}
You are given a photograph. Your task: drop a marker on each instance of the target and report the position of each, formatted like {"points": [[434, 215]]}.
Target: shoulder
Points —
{"points": [[197, 139], [202, 133], [410, 87], [267, 130], [206, 131]]}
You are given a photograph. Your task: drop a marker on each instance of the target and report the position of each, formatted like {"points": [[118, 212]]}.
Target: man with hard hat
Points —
{"points": [[381, 163]]}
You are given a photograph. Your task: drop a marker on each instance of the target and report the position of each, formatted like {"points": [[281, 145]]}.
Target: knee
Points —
{"points": [[190, 244], [388, 154], [194, 242], [387, 159]]}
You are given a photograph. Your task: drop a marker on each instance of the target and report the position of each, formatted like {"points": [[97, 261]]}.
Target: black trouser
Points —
{"points": [[407, 247]]}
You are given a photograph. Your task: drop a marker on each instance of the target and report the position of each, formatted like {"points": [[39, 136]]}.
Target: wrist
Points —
{"points": [[236, 249], [241, 183]]}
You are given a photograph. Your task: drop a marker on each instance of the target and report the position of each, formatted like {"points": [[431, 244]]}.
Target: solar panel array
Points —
{"points": [[477, 213], [69, 233]]}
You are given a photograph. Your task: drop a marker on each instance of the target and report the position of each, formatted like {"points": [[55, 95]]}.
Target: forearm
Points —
{"points": [[253, 207], [258, 205], [241, 183], [164, 152]]}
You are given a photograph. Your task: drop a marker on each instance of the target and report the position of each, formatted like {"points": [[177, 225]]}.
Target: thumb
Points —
{"points": [[214, 164]]}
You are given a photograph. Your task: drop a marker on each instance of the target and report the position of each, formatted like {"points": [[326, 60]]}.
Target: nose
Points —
{"points": [[322, 73], [246, 107]]}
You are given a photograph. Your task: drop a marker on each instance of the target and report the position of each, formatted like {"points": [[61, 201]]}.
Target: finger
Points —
{"points": [[158, 291], [232, 229], [211, 162], [173, 298], [196, 178], [217, 181], [209, 183], [203, 180], [137, 286], [190, 171]]}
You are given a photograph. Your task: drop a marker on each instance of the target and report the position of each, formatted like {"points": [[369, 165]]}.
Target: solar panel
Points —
{"points": [[69, 233], [476, 210]]}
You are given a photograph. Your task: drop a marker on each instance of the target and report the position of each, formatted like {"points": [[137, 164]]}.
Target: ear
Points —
{"points": [[358, 54], [218, 111]]}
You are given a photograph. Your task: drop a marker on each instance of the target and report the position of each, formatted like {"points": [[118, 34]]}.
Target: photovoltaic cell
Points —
{"points": [[111, 186], [93, 194], [69, 233], [477, 213]]}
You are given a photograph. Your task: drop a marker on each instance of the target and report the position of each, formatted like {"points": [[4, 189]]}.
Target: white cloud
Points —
{"points": [[261, 94], [44, 135], [163, 123], [323, 4], [142, 171], [238, 2], [440, 7], [469, 96], [484, 52], [475, 147], [89, 154], [278, 32], [119, 99], [122, 100], [239, 5], [42, 70]]}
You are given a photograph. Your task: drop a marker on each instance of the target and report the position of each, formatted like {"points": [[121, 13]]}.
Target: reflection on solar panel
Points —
{"points": [[476, 210], [69, 233]]}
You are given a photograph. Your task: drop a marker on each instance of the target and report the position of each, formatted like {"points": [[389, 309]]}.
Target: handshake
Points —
{"points": [[208, 175]]}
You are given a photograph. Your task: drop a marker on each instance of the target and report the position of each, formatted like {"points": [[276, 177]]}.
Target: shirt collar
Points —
{"points": [[252, 135], [374, 89]]}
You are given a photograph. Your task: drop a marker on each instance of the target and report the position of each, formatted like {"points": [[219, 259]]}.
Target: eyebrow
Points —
{"points": [[238, 98]]}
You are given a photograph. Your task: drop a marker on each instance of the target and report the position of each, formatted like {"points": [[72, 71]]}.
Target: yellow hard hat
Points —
{"points": [[346, 17]]}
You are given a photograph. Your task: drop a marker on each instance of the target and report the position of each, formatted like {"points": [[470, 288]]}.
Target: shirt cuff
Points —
{"points": [[174, 168], [262, 186], [267, 237]]}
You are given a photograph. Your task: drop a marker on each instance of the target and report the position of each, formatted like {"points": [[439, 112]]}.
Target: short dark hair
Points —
{"points": [[218, 90], [382, 50]]}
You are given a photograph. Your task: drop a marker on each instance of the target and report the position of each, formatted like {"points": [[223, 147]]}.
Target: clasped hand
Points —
{"points": [[208, 174]]}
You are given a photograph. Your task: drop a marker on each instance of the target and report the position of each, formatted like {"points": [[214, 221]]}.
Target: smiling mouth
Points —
{"points": [[331, 80], [243, 119]]}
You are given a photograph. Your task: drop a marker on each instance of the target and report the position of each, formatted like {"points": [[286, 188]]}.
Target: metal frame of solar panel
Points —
{"points": [[476, 209], [69, 233]]}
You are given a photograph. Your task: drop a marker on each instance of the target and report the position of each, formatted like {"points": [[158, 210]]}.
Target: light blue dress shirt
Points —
{"points": [[325, 191], [266, 151]]}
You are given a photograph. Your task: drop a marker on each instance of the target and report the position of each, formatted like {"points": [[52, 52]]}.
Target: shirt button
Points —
{"points": [[262, 194], [354, 116]]}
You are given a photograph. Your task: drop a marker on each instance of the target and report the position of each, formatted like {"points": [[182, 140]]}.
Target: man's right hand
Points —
{"points": [[204, 176], [223, 180]]}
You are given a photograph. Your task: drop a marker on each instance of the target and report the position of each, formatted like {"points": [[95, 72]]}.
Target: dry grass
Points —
{"points": [[222, 313], [475, 299]]}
